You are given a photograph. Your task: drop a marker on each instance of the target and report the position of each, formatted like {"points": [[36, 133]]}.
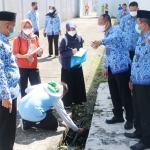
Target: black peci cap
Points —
{"points": [[143, 14], [7, 16]]}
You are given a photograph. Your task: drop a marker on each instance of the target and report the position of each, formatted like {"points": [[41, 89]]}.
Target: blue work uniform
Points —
{"points": [[9, 72], [120, 12], [118, 68], [127, 25], [52, 25], [117, 55], [33, 16]]}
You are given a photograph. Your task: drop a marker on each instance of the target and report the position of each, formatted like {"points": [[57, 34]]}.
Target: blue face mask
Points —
{"points": [[137, 29], [11, 34]]}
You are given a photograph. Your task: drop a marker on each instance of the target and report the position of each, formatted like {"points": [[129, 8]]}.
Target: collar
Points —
{"points": [[4, 39], [124, 10], [135, 18], [110, 30], [34, 11], [146, 35]]}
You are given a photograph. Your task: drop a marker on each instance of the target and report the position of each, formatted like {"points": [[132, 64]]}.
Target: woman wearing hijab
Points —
{"points": [[52, 28], [73, 77], [23, 48]]}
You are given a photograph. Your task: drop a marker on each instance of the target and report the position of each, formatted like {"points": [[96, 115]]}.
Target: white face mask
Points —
{"points": [[72, 33], [101, 28], [51, 11], [27, 31], [133, 13]]}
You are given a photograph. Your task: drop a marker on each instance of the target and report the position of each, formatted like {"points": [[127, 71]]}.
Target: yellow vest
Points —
{"points": [[106, 8]]}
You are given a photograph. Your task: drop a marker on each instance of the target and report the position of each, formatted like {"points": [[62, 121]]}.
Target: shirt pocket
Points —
{"points": [[108, 49]]}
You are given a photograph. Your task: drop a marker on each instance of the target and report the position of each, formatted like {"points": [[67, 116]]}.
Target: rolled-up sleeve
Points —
{"points": [[62, 113]]}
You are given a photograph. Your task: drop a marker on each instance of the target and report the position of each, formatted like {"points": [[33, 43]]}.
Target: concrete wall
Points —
{"points": [[143, 4], [66, 8], [112, 4]]}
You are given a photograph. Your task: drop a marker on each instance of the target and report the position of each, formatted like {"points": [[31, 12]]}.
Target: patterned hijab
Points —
{"points": [[27, 38], [24, 36]]}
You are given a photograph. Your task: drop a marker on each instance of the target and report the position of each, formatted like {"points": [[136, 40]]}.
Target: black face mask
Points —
{"points": [[36, 8]]}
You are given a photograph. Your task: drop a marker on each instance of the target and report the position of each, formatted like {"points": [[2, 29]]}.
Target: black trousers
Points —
{"points": [[121, 94], [141, 105], [75, 81], [36, 33], [106, 12], [48, 123], [131, 54], [7, 126], [32, 74], [50, 41]]}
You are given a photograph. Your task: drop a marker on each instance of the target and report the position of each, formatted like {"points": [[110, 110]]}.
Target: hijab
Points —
{"points": [[54, 13], [27, 38], [71, 40]]}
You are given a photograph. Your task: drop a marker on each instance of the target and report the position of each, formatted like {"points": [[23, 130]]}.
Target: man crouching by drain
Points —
{"points": [[35, 107]]}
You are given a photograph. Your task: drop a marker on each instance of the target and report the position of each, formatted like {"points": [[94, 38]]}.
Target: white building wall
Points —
{"points": [[112, 4], [143, 4], [66, 8]]}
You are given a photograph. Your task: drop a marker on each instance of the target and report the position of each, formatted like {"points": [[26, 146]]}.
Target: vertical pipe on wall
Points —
{"points": [[66, 11], [3, 3], [22, 8], [46, 6]]}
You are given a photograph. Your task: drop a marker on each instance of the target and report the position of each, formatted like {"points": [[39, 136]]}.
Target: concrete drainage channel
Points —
{"points": [[83, 116]]}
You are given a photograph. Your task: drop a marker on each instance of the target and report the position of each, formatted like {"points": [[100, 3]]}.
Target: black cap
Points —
{"points": [[7, 16], [143, 14]]}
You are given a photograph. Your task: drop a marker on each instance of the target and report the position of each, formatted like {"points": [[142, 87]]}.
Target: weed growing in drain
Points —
{"points": [[84, 114]]}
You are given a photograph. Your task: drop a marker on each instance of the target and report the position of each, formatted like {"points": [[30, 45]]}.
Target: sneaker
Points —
{"points": [[67, 107], [25, 125]]}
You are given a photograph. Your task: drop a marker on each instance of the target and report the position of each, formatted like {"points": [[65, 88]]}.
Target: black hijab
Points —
{"points": [[54, 13]]}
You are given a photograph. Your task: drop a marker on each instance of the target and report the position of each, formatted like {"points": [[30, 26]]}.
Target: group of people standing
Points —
{"points": [[52, 26], [127, 68], [105, 9], [128, 71], [20, 64]]}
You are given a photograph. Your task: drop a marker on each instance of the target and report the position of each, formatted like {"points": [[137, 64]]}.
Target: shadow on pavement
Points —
{"points": [[32, 135], [45, 59]]}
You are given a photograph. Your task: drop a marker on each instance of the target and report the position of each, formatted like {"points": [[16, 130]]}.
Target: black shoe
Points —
{"points": [[132, 135], [114, 120], [128, 125], [25, 125], [139, 146]]}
